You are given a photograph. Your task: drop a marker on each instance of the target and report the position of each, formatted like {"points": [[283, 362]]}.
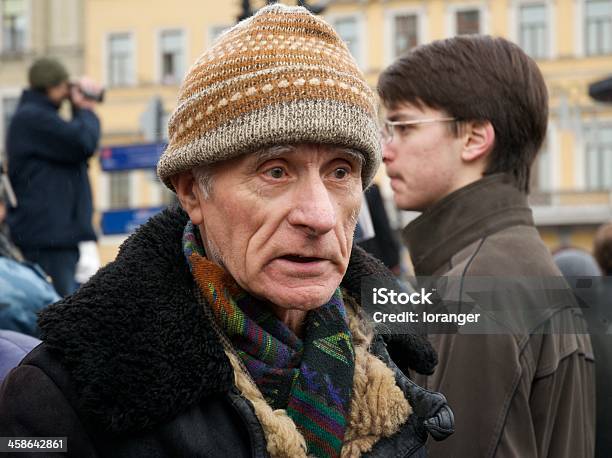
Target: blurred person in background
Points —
{"points": [[383, 245], [47, 163], [602, 251], [575, 262], [594, 295], [233, 327], [602, 248], [24, 287], [464, 120], [7, 200]]}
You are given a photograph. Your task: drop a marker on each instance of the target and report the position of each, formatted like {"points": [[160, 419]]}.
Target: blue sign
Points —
{"points": [[126, 221], [129, 157]]}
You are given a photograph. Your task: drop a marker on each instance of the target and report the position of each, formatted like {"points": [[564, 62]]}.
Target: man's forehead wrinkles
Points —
{"points": [[274, 152]]}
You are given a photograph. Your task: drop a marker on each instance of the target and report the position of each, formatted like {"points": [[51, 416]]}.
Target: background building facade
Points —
{"points": [[141, 49]]}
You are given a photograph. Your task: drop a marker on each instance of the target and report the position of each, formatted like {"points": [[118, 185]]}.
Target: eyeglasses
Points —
{"points": [[396, 128]]}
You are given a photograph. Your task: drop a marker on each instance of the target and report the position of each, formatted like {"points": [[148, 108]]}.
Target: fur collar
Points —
{"points": [[136, 328], [378, 406]]}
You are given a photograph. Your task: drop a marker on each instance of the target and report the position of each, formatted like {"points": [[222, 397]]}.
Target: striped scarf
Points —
{"points": [[311, 378]]}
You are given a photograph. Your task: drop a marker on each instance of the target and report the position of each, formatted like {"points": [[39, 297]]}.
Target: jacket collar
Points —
{"points": [[479, 209], [38, 98], [135, 340]]}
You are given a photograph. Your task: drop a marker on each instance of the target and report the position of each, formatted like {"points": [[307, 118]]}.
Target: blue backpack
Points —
{"points": [[24, 291]]}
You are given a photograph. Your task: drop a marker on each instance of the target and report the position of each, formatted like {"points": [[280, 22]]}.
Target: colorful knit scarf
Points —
{"points": [[312, 378]]}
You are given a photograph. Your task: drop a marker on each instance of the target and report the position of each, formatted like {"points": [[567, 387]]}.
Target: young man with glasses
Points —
{"points": [[465, 118]]}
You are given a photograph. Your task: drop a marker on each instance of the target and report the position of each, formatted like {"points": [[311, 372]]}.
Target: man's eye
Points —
{"points": [[276, 172], [402, 130], [341, 173]]}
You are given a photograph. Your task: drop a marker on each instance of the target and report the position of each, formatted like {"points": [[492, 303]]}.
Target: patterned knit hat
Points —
{"points": [[282, 76]]}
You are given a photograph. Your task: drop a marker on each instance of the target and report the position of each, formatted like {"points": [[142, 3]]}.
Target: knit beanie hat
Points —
{"points": [[282, 76], [47, 72]]}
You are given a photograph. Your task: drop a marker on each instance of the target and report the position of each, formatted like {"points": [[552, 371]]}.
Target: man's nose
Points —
{"points": [[388, 152], [313, 209]]}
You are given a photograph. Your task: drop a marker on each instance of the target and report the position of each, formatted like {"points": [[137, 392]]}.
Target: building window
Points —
{"points": [[119, 189], [172, 56], [533, 29], [467, 22], [347, 28], [120, 60], [598, 157], [598, 27], [12, 14], [406, 34]]}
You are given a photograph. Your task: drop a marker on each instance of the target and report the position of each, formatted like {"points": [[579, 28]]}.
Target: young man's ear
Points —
{"points": [[188, 194], [479, 141]]}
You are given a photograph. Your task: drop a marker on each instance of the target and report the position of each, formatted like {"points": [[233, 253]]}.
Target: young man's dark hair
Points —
{"points": [[448, 75]]}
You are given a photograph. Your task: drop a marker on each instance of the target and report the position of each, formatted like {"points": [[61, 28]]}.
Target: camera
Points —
{"points": [[95, 96]]}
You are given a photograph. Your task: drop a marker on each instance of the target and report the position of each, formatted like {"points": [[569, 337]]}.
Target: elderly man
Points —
{"points": [[234, 329]]}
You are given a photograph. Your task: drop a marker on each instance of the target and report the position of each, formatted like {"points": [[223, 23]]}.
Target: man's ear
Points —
{"points": [[188, 195], [479, 141]]}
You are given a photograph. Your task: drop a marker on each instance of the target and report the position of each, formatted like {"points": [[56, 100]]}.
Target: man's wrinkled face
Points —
{"points": [[281, 221]]}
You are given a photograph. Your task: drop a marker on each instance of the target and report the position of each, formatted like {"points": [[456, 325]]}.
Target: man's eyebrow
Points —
{"points": [[353, 154], [400, 117]]}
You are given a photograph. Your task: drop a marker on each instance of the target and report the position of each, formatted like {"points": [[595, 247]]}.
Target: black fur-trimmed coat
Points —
{"points": [[130, 367]]}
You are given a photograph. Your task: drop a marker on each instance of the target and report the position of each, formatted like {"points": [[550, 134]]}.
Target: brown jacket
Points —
{"points": [[525, 394]]}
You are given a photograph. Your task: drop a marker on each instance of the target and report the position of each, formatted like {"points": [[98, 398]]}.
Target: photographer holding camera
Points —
{"points": [[47, 164]]}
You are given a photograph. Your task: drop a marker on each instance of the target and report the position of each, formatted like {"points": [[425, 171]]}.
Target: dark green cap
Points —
{"points": [[47, 72]]}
